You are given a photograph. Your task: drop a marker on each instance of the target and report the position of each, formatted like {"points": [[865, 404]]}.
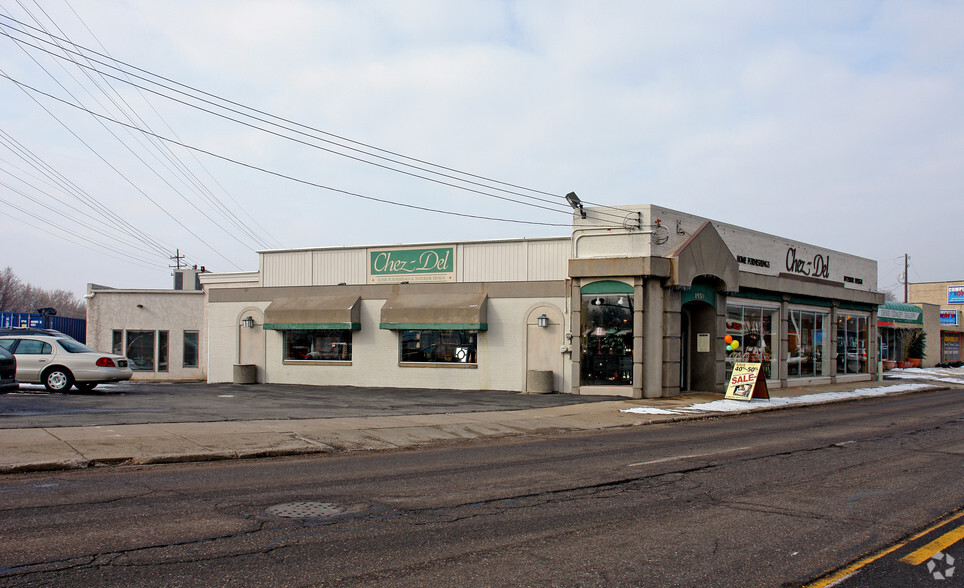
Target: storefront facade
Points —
{"points": [[949, 298], [655, 303]]}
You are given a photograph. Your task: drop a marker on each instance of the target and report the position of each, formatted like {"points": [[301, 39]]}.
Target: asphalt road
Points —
{"points": [[151, 402], [767, 499]]}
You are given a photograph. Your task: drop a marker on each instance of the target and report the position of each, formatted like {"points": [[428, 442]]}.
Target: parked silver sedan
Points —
{"points": [[60, 362]]}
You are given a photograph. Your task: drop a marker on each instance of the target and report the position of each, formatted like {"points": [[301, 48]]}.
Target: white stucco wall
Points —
{"points": [[174, 311], [500, 366]]}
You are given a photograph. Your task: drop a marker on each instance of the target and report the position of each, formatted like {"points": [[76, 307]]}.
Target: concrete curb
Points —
{"points": [[69, 448]]}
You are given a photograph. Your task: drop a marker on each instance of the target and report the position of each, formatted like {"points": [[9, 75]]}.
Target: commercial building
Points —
{"points": [[160, 331], [637, 301], [949, 298]]}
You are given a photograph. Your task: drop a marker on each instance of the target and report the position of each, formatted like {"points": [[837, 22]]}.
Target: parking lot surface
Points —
{"points": [[152, 402]]}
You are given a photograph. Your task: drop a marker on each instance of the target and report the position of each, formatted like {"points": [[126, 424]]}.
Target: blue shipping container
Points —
{"points": [[74, 327]]}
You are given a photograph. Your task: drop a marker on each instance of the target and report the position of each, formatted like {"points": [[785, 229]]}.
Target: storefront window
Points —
{"points": [[117, 342], [891, 344], [607, 339], [951, 347], [317, 345], [806, 344], [190, 349], [162, 351], [140, 350], [438, 346], [852, 344], [752, 328]]}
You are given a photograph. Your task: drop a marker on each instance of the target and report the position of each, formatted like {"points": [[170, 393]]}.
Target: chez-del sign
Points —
{"points": [[416, 265]]}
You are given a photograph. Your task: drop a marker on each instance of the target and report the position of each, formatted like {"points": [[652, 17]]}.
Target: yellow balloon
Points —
{"points": [[735, 344]]}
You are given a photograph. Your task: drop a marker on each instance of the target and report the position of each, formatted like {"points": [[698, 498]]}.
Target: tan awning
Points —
{"points": [[314, 312], [434, 311]]}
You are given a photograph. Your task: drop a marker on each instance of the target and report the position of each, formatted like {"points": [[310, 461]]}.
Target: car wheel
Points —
{"points": [[85, 386], [58, 380]]}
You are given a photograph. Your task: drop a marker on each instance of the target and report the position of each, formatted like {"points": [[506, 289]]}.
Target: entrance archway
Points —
{"points": [[698, 347]]}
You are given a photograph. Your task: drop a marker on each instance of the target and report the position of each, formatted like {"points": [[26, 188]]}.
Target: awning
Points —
{"points": [[314, 312], [434, 311], [892, 314]]}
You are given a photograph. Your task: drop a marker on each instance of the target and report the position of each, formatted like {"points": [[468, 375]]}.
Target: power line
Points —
{"points": [[135, 154], [151, 81], [26, 87]]}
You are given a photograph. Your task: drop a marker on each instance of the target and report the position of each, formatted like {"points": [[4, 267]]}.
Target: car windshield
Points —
{"points": [[71, 346], [7, 343]]}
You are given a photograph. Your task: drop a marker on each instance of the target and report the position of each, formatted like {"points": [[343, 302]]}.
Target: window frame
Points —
{"points": [[196, 346], [463, 344], [340, 338]]}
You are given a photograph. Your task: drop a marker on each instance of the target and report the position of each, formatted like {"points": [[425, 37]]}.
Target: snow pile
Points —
{"points": [[949, 375], [756, 404]]}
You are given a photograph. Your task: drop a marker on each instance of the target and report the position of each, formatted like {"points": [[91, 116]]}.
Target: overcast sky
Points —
{"points": [[833, 123]]}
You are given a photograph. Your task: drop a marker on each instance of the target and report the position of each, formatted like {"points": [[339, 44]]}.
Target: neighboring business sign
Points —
{"points": [[949, 317], [411, 265], [746, 383], [955, 294], [892, 312]]}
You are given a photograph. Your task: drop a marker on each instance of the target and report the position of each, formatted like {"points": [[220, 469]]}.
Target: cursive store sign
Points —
{"points": [[411, 265], [818, 267]]}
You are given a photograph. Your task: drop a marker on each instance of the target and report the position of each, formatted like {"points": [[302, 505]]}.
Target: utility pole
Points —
{"points": [[177, 258], [906, 278]]}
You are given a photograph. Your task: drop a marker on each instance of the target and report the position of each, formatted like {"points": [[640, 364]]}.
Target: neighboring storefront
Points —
{"points": [[898, 324], [159, 331], [637, 301], [949, 297]]}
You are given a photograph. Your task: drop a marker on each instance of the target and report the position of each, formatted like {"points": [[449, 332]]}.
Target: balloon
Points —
{"points": [[729, 348], [728, 339], [735, 344]]}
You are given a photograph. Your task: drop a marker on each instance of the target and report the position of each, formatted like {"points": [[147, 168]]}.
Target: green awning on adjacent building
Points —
{"points": [[892, 314], [314, 312]]}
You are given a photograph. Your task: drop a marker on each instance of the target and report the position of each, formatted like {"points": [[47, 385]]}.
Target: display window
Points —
{"points": [[317, 345], [607, 339], [891, 344], [807, 343], [951, 347], [140, 350], [751, 337], [852, 338], [438, 346]]}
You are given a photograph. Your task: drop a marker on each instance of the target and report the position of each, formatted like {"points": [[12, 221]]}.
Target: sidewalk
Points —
{"points": [[53, 448]]}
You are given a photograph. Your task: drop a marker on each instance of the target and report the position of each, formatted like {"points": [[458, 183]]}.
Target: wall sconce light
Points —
{"points": [[542, 320], [247, 322]]}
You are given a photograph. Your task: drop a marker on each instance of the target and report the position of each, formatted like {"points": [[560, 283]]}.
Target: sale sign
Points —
{"points": [[746, 383]]}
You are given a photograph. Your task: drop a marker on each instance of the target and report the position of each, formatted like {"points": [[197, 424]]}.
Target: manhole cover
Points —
{"points": [[305, 510]]}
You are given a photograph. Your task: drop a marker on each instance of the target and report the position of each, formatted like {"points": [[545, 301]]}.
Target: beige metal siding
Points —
{"points": [[494, 262], [330, 268], [286, 268], [548, 260], [515, 261]]}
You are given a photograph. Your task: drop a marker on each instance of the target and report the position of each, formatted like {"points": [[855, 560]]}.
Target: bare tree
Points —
{"points": [[15, 296], [11, 291]]}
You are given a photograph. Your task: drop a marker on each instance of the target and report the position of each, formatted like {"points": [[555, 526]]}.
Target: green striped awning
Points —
{"points": [[899, 313]]}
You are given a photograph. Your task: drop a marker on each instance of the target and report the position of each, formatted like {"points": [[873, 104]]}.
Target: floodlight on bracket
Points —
{"points": [[575, 203]]}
